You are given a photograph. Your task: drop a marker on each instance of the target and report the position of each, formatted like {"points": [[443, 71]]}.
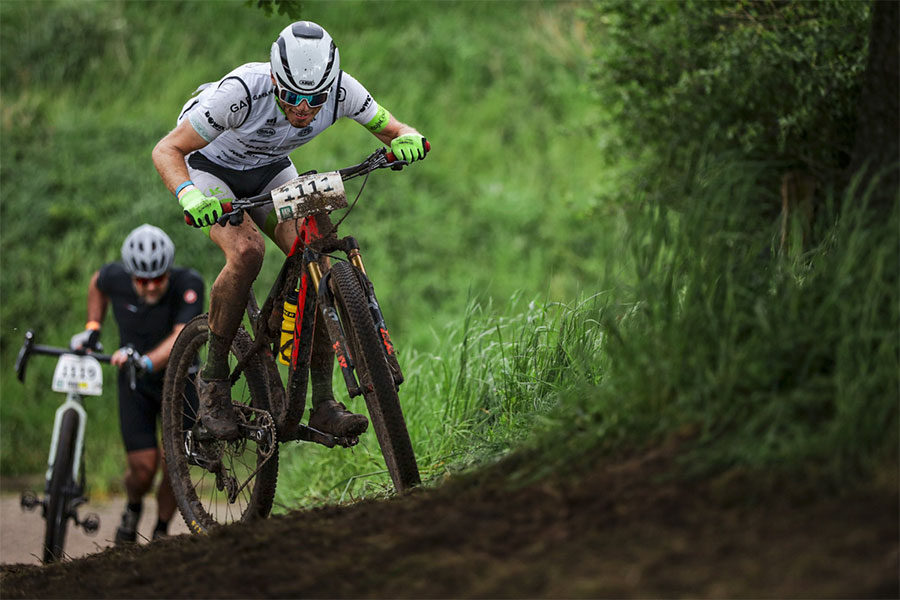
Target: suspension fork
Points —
{"points": [[355, 258], [350, 246], [332, 323]]}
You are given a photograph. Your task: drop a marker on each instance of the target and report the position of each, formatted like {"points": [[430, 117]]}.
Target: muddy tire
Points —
{"points": [[376, 381], [201, 498]]}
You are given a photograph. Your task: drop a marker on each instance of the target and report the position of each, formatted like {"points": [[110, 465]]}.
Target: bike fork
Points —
{"points": [[332, 321], [355, 258]]}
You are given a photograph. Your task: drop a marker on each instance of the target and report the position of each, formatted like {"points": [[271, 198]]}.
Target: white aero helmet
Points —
{"points": [[304, 59], [147, 252]]}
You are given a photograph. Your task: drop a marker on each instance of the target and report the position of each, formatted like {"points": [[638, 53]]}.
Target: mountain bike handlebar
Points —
{"points": [[380, 159], [29, 347]]}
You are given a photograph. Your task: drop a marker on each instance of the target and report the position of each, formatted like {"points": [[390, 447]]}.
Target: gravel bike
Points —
{"points": [[217, 481], [77, 375]]}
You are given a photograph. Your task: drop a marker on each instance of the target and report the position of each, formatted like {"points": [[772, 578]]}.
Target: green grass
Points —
{"points": [[506, 203], [537, 295]]}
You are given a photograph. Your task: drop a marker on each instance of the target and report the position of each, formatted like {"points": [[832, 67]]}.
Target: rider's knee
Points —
{"points": [[140, 473], [248, 253]]}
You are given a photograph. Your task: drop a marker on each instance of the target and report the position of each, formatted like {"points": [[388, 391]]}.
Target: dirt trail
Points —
{"points": [[616, 529], [22, 532]]}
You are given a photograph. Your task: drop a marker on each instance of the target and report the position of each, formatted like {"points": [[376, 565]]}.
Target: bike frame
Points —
{"points": [[73, 490], [303, 264]]}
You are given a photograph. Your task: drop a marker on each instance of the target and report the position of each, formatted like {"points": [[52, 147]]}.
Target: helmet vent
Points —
{"points": [[305, 29]]}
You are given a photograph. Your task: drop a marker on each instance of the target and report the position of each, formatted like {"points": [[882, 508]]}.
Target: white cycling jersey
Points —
{"points": [[245, 128]]}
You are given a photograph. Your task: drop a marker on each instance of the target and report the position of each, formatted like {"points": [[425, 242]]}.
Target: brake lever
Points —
{"points": [[235, 217], [132, 369]]}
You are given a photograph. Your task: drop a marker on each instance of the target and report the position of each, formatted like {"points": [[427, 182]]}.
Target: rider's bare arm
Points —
{"points": [[97, 301], [169, 154], [393, 129]]}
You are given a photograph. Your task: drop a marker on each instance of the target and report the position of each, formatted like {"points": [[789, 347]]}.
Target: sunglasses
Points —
{"points": [[293, 98], [148, 280]]}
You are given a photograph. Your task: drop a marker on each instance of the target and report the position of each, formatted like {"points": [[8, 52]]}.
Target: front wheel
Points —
{"points": [[62, 483], [216, 481], [376, 380]]}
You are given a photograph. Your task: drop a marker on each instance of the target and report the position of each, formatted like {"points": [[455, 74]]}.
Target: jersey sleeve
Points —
{"points": [[109, 280], [190, 300], [103, 279], [357, 103], [221, 107]]}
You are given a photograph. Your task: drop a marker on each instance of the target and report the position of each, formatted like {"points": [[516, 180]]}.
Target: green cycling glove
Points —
{"points": [[202, 210], [409, 147]]}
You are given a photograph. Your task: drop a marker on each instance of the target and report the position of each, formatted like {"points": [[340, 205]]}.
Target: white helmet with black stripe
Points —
{"points": [[304, 58], [147, 252]]}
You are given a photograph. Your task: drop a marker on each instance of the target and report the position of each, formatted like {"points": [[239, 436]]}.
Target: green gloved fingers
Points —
{"points": [[409, 147], [202, 210]]}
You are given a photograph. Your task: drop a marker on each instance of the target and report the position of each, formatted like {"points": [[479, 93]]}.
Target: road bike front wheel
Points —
{"points": [[376, 380], [216, 481], [59, 492]]}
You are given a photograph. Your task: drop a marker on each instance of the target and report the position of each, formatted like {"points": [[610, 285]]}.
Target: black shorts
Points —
{"points": [[139, 410], [244, 184]]}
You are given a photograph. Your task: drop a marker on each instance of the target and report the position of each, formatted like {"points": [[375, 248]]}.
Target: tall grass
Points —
{"points": [[497, 374], [784, 366], [505, 202], [529, 287]]}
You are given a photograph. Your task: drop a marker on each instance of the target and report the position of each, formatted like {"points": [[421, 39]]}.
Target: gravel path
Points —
{"points": [[22, 532]]}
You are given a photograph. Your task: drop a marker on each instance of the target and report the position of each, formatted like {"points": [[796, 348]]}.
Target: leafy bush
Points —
{"points": [[774, 80]]}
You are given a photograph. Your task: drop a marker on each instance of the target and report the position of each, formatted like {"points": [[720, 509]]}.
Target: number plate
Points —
{"points": [[309, 195], [79, 374]]}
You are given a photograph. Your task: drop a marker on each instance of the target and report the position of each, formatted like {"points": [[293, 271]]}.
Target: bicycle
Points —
{"points": [[77, 374], [243, 474]]}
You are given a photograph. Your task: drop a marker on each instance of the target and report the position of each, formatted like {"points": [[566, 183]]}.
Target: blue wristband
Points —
{"points": [[182, 186], [148, 364]]}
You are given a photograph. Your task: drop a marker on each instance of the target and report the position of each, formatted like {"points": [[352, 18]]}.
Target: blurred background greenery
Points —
{"points": [[589, 258]]}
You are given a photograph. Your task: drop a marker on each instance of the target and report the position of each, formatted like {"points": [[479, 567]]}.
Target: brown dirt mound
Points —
{"points": [[620, 529]]}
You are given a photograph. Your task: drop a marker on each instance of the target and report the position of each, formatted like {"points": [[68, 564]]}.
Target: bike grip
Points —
{"points": [[391, 158], [188, 220]]}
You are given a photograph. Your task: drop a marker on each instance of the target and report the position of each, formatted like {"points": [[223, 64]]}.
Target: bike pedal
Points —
{"points": [[347, 442], [91, 524], [29, 501]]}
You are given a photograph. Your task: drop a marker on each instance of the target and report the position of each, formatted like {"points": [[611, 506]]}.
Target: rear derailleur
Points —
{"points": [[255, 425]]}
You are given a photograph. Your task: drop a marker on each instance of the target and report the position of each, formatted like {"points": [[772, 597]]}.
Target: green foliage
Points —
{"points": [[774, 80], [494, 379], [784, 367], [288, 8], [543, 183], [500, 205]]}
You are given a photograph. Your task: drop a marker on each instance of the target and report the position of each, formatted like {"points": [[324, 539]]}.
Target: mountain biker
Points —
{"points": [[151, 301], [232, 141]]}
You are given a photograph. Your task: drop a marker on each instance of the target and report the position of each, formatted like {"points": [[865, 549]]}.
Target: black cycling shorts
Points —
{"points": [[139, 410]]}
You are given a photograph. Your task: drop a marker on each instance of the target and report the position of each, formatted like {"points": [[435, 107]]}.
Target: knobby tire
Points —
{"points": [[379, 390], [202, 505], [61, 481]]}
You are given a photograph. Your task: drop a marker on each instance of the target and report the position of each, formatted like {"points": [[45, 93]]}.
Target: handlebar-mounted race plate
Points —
{"points": [[78, 374], [310, 194]]}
